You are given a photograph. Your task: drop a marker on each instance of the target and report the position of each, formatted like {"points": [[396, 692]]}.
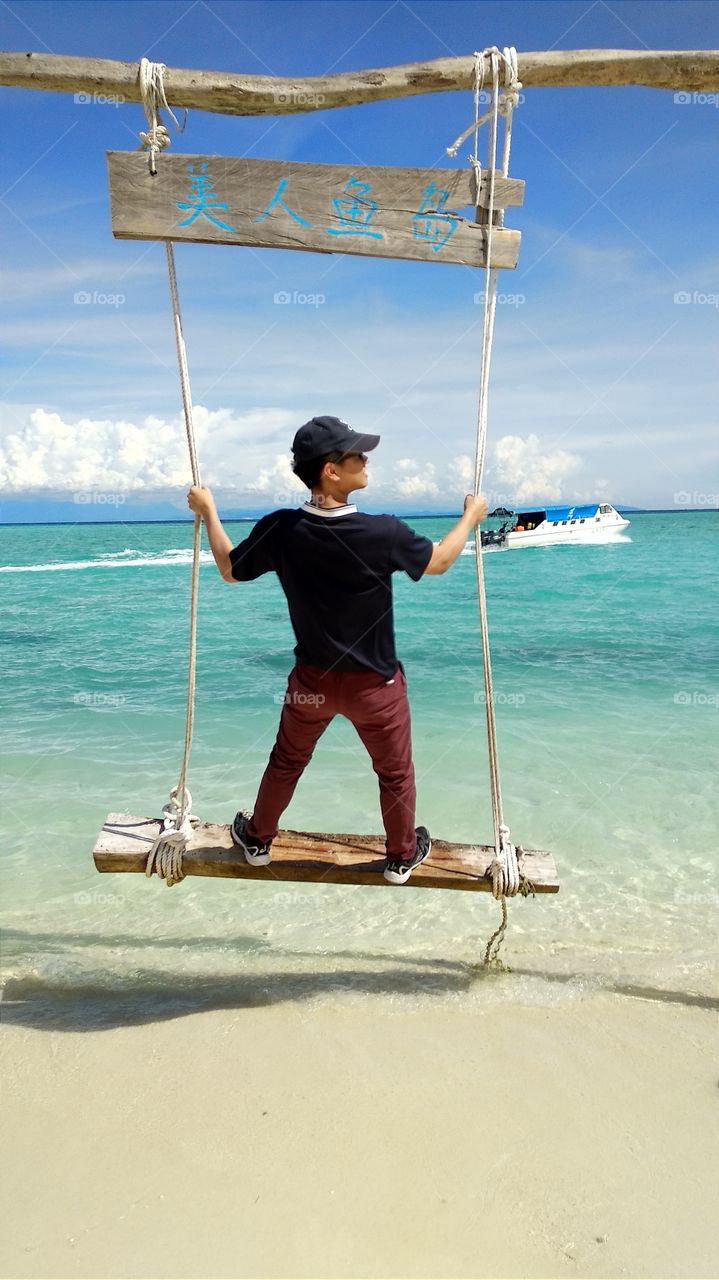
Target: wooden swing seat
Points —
{"points": [[311, 856]]}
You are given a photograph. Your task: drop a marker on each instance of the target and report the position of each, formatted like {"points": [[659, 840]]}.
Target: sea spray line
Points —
{"points": [[183, 555], [170, 557]]}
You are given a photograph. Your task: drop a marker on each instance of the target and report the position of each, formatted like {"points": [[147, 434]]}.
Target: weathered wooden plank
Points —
{"points": [[230, 93], [124, 841], [322, 208]]}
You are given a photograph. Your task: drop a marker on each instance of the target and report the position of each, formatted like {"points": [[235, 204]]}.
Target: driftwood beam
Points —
{"points": [[230, 93]]}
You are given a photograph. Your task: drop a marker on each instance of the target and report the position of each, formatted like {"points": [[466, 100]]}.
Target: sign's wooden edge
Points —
{"points": [[514, 187]]}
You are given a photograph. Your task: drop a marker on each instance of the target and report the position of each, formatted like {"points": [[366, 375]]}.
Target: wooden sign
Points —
{"points": [[323, 208]]}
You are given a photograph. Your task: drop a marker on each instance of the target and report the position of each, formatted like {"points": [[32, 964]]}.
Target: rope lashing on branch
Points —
{"points": [[152, 88], [504, 869], [506, 104], [166, 855]]}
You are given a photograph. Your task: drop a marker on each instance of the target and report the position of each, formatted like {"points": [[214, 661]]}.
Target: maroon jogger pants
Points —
{"points": [[379, 711]]}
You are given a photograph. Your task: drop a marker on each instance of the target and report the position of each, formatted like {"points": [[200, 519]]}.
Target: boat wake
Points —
{"points": [[127, 559]]}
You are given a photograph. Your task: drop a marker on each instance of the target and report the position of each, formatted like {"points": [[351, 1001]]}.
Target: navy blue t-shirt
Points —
{"points": [[336, 572]]}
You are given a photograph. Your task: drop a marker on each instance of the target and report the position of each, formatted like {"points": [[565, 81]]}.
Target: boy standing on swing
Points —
{"points": [[335, 566]]}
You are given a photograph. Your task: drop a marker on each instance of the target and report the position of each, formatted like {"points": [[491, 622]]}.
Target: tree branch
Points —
{"points": [[229, 93]]}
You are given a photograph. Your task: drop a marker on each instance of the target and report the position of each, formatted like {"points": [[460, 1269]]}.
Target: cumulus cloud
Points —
{"points": [[529, 472], [246, 457], [416, 482], [278, 480], [41, 452], [461, 473]]}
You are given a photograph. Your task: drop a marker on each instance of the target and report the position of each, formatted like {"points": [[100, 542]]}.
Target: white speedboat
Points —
{"points": [[547, 526]]}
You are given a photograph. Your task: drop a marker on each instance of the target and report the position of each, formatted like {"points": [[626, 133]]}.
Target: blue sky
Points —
{"points": [[604, 376]]}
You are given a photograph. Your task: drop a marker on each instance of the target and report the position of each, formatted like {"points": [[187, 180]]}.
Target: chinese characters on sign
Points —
{"points": [[277, 200], [429, 223], [202, 188], [352, 211]]}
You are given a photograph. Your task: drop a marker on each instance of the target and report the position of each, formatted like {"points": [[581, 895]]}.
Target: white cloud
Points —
{"points": [[416, 482], [41, 452], [279, 480], [461, 473], [529, 472]]}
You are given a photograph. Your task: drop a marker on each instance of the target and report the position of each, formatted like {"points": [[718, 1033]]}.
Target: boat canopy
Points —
{"points": [[572, 513]]}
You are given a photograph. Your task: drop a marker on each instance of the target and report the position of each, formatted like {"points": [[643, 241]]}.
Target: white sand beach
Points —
{"points": [[272, 1136]]}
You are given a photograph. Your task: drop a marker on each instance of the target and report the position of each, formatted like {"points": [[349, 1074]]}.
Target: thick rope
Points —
{"points": [[166, 855], [504, 868]]}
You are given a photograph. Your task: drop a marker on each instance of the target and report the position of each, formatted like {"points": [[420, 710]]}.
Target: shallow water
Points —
{"points": [[604, 662]]}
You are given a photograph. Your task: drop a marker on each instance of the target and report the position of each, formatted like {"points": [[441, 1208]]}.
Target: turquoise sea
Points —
{"points": [[605, 669]]}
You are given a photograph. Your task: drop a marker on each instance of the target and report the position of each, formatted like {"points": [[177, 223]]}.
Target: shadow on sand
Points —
{"points": [[153, 994]]}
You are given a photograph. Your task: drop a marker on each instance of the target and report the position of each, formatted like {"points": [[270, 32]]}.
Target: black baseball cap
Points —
{"points": [[329, 435]]}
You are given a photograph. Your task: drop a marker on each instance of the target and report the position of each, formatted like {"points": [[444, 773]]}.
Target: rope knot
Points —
{"points": [[504, 100], [156, 138], [504, 867], [152, 89], [167, 853]]}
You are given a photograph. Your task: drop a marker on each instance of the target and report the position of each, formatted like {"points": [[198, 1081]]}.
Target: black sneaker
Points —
{"points": [[399, 869], [258, 855]]}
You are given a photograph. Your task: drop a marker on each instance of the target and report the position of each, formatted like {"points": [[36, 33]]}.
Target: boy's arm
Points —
{"points": [[201, 501], [445, 552]]}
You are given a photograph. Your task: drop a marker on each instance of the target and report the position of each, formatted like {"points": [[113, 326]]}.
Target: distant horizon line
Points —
{"points": [[409, 515]]}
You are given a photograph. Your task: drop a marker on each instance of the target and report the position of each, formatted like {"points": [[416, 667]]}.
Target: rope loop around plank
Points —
{"points": [[166, 857]]}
